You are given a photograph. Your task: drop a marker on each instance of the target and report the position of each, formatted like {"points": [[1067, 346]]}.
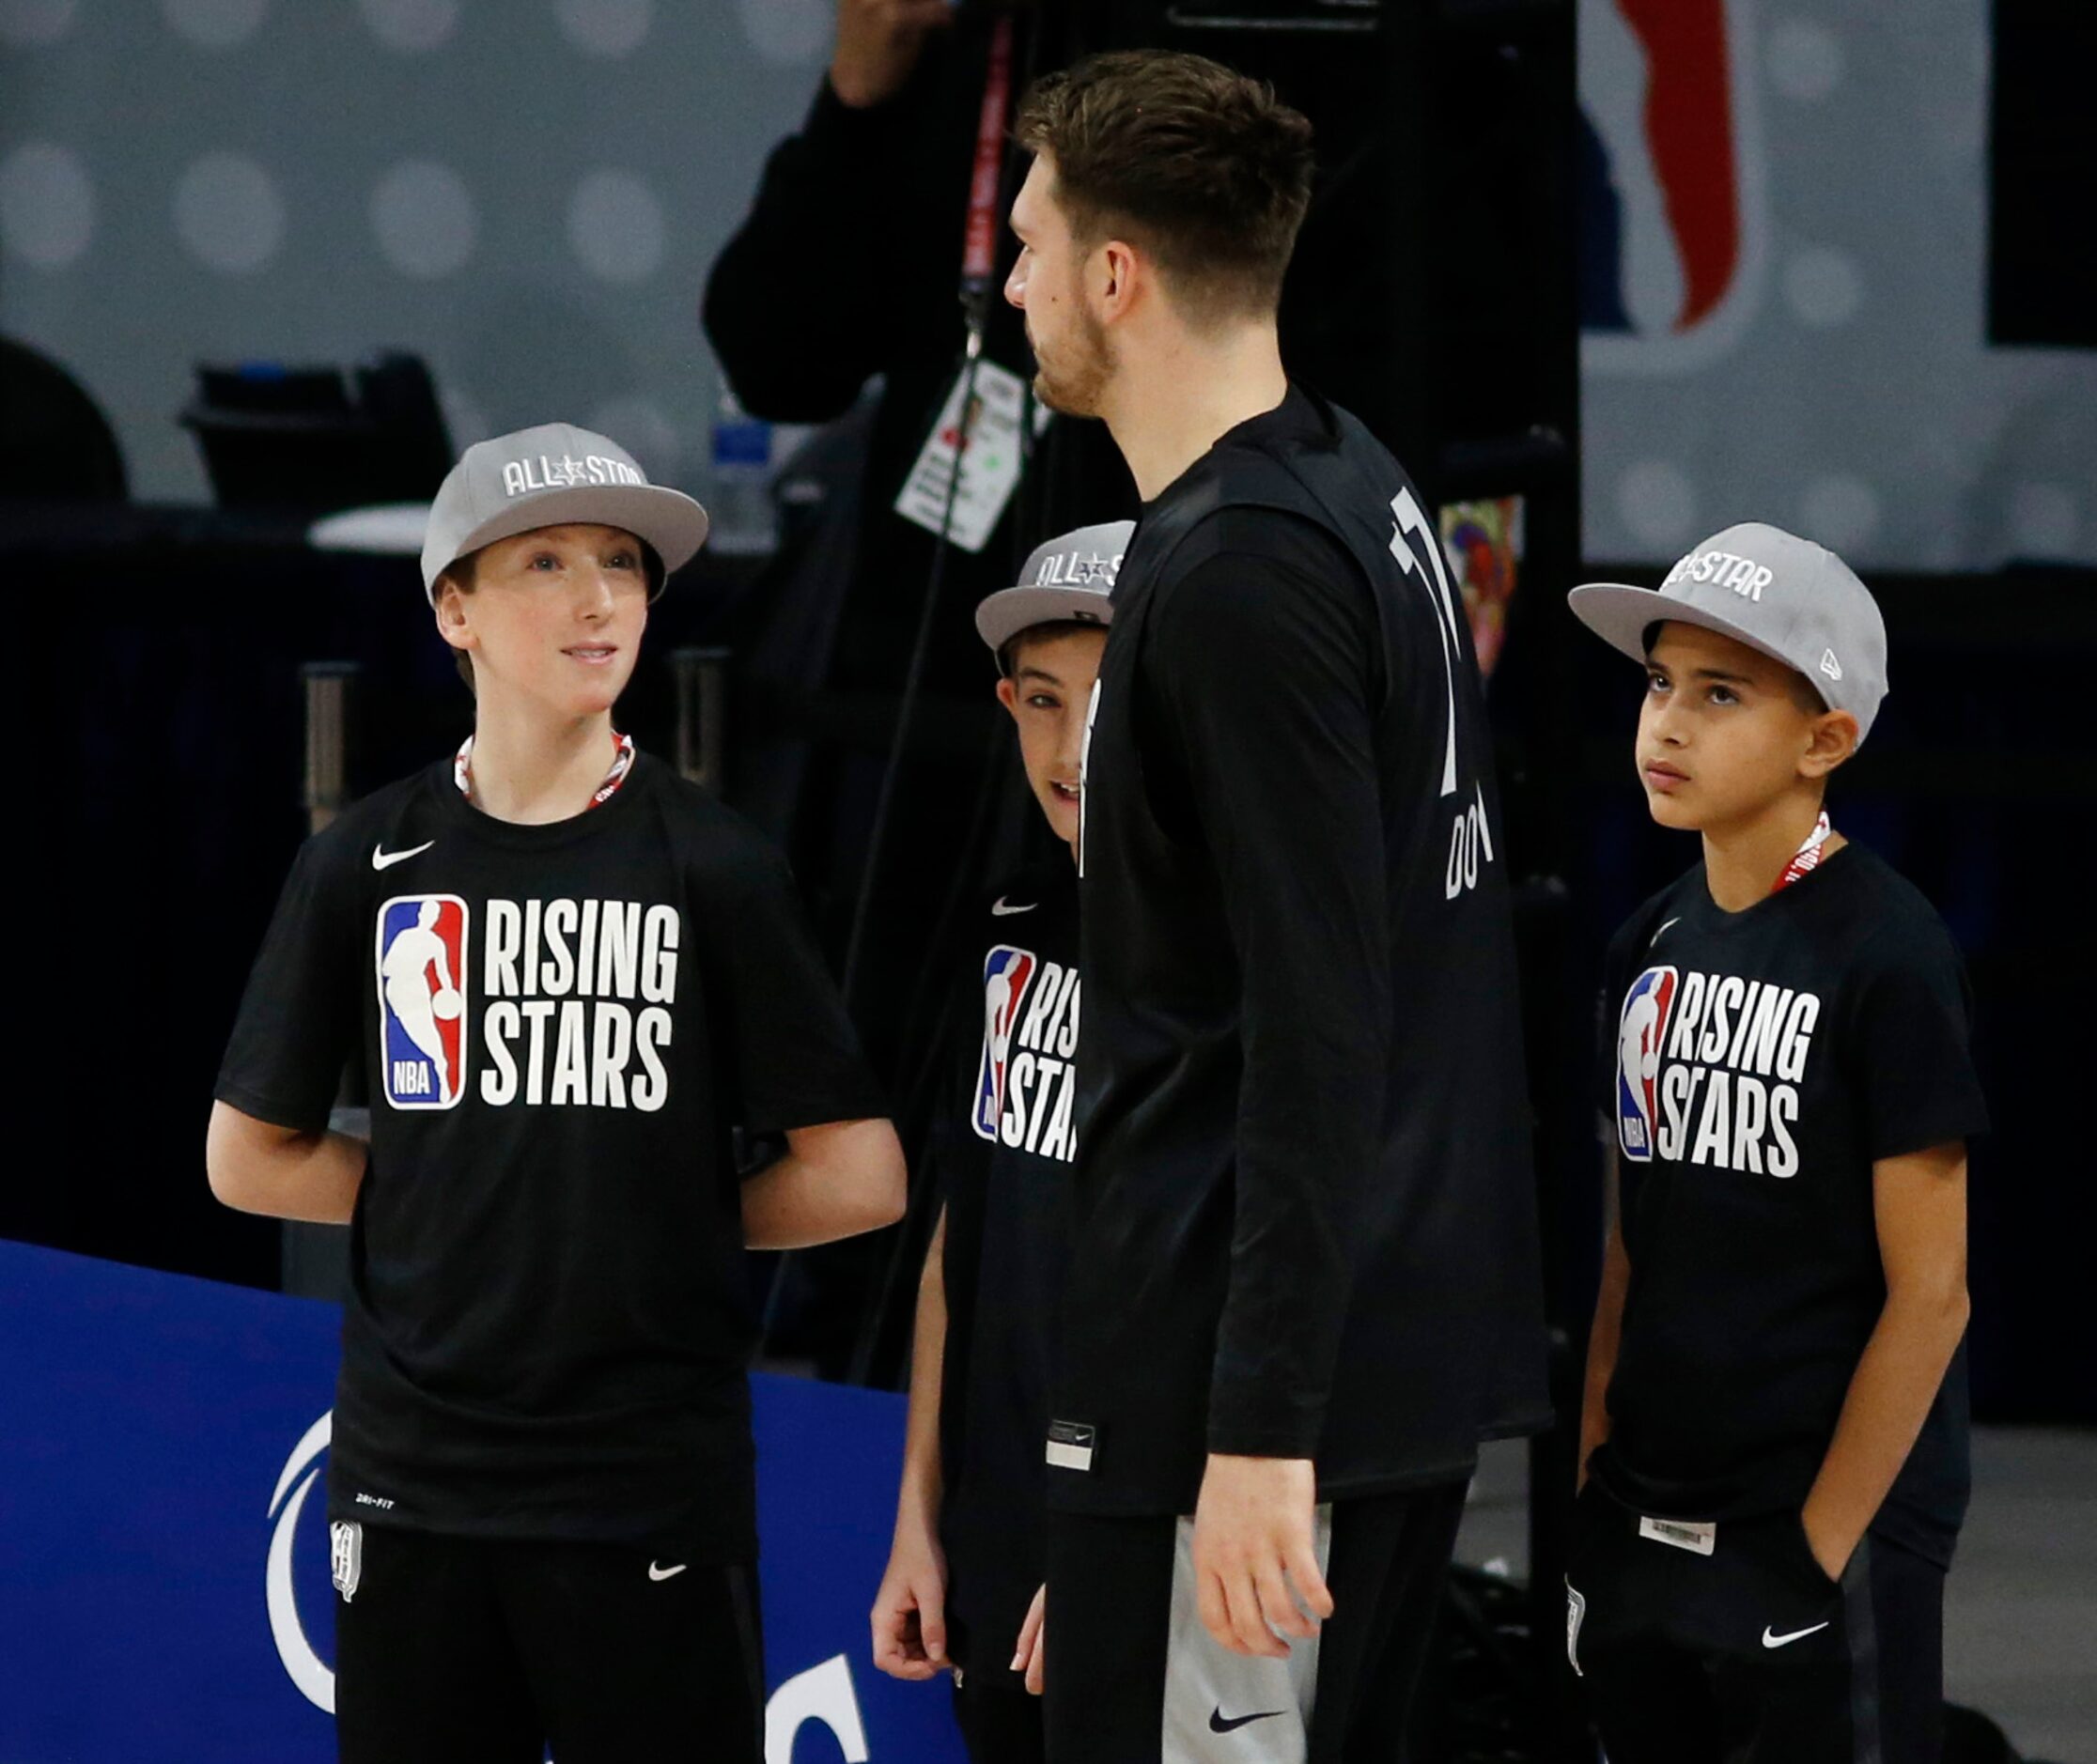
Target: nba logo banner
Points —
{"points": [[1005, 973], [1644, 1026], [421, 1000], [1674, 209]]}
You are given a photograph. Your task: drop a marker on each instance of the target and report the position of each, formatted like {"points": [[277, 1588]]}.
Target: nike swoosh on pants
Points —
{"points": [[1221, 1723]]}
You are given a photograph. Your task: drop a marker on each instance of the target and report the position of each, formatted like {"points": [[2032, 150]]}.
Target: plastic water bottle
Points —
{"points": [[744, 521]]}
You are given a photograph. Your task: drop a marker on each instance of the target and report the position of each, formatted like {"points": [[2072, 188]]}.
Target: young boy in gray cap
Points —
{"points": [[966, 1566], [568, 974], [1774, 1432]]}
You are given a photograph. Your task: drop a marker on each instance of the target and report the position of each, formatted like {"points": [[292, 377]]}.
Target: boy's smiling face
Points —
{"points": [[1725, 731], [554, 618], [1049, 693]]}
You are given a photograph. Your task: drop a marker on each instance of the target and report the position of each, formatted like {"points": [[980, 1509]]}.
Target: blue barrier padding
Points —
{"points": [[165, 1588]]}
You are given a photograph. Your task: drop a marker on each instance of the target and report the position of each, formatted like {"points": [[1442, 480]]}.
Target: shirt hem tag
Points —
{"points": [[1070, 1445], [1698, 1540]]}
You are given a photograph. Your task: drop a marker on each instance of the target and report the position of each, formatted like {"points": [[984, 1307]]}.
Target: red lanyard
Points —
{"points": [[622, 763], [1808, 856], [979, 242]]}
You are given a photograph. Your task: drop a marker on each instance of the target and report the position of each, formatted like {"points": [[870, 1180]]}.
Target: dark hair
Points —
{"points": [[1008, 654], [461, 571], [1201, 167]]}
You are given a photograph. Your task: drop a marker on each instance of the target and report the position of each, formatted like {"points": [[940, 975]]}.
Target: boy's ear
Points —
{"points": [[1834, 739], [1009, 695], [451, 614]]}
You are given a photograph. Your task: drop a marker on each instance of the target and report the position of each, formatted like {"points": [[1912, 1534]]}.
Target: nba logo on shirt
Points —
{"points": [[422, 999], [1005, 973], [1644, 1026], [1674, 232]]}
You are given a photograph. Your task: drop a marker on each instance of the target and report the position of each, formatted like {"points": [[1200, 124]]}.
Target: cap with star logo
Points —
{"points": [[1793, 600], [1069, 578], [550, 476]]}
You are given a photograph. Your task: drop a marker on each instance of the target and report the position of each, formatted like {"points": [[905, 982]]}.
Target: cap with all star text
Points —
{"points": [[1792, 599], [1070, 578], [551, 476]]}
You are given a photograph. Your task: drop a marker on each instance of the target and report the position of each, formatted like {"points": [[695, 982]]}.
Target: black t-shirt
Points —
{"points": [[1303, 1221], [547, 1328], [1004, 1161], [1756, 1065]]}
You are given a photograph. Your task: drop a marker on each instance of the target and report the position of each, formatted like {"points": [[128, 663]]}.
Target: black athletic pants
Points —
{"points": [[455, 1650], [1000, 1722], [1751, 1654], [1133, 1677]]}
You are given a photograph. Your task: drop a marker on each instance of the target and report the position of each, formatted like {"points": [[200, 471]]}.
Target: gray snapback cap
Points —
{"points": [[1071, 576], [551, 476], [1790, 598]]}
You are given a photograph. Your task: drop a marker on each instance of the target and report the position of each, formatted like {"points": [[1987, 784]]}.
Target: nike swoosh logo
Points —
{"points": [[1221, 1723], [383, 860], [1771, 1639], [1663, 930], [1004, 908], [666, 1573]]}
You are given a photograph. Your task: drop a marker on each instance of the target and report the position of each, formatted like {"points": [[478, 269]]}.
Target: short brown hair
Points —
{"points": [[1203, 167], [1008, 655]]}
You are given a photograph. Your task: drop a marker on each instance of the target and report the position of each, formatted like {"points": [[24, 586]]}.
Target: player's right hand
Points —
{"points": [[1256, 1574], [910, 1611], [878, 43]]}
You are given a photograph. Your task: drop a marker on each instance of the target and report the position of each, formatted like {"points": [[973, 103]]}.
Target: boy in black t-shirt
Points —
{"points": [[966, 1568], [1774, 1433], [569, 974]]}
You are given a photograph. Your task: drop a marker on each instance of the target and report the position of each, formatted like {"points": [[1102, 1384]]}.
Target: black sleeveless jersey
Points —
{"points": [[1304, 1216]]}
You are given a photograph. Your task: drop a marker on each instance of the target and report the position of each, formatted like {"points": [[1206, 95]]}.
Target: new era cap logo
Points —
{"points": [[1829, 666]]}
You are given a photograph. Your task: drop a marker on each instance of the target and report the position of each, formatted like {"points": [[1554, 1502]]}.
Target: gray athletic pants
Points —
{"points": [[1134, 1679]]}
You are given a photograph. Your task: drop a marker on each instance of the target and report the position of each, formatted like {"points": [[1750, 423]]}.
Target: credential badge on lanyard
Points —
{"points": [[978, 427], [969, 465]]}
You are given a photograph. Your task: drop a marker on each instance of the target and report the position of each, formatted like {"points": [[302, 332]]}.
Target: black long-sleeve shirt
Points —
{"points": [[1304, 1219], [847, 264], [847, 267], [1262, 669]]}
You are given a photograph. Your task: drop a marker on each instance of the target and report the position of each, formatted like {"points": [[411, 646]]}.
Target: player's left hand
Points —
{"points": [[1031, 1656], [909, 1610], [1255, 1561]]}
